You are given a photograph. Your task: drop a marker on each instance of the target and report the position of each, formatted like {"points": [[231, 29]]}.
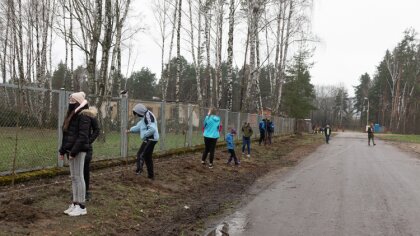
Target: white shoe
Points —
{"points": [[78, 211], [70, 209], [248, 155]]}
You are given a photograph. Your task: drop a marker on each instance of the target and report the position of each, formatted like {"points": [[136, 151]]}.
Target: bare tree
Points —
{"points": [[178, 53], [197, 60], [160, 9], [219, 35], [168, 69], [207, 22], [230, 54]]}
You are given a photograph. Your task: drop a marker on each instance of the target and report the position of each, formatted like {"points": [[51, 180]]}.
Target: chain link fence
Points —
{"points": [[31, 120]]}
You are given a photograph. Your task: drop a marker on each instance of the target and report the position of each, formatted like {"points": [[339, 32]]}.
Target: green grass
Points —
{"points": [[400, 138], [38, 148]]}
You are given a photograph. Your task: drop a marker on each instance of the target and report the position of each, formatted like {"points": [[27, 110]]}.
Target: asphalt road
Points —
{"points": [[344, 188]]}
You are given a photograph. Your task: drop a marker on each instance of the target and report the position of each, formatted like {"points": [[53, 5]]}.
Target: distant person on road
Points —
{"points": [[211, 134], [230, 141], [370, 132], [93, 134], [149, 134], [75, 144], [246, 138], [327, 132], [262, 129]]}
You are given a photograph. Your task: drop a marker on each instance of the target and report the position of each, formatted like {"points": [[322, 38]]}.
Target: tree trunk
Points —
{"points": [[196, 61], [168, 69], [178, 53], [284, 46], [94, 41], [230, 55], [219, 35], [207, 23]]}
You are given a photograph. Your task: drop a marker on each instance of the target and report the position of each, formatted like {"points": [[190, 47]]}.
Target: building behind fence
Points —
{"points": [[31, 119]]}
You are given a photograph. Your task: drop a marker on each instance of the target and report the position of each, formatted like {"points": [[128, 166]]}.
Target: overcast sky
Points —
{"points": [[354, 37]]}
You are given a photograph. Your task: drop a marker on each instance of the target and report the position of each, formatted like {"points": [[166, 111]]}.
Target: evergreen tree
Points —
{"points": [[142, 84], [298, 91]]}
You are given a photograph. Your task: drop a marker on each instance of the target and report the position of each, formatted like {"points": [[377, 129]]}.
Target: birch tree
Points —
{"points": [[219, 35], [178, 54], [229, 79], [209, 81], [197, 58]]}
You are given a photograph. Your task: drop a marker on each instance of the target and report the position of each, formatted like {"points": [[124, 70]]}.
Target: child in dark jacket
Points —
{"points": [[231, 146]]}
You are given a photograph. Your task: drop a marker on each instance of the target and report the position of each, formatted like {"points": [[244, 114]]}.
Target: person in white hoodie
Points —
{"points": [[149, 134]]}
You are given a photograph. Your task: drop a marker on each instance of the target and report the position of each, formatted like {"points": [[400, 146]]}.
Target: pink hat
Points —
{"points": [[78, 98]]}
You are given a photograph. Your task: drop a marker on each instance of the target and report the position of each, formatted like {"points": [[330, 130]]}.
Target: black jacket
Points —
{"points": [[77, 137]]}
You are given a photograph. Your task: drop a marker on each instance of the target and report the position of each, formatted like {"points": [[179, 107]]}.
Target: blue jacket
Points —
{"points": [[211, 126], [230, 141], [262, 126], [147, 127]]}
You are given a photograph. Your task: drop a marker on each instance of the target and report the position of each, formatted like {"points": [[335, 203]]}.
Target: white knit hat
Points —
{"points": [[78, 98]]}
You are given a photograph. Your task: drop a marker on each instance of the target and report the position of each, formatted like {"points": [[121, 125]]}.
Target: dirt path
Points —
{"points": [[183, 196], [345, 188]]}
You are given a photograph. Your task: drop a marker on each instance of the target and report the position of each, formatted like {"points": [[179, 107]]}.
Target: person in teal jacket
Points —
{"points": [[149, 134], [231, 146], [211, 134]]}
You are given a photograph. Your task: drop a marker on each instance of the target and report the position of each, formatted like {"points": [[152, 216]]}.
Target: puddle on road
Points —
{"points": [[233, 225]]}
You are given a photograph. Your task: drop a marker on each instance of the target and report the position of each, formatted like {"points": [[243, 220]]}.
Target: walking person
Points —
{"points": [[93, 134], [74, 145], [246, 138], [230, 137], [262, 128], [149, 135], [211, 134], [327, 132], [370, 132]]}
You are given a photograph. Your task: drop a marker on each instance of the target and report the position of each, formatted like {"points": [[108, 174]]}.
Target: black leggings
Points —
{"points": [[262, 137], [210, 144], [144, 155], [86, 168]]}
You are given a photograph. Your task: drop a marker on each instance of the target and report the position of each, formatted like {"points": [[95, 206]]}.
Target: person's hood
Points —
{"points": [[215, 118], [140, 109], [91, 112]]}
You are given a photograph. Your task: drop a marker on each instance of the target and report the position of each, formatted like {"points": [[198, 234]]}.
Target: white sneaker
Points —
{"points": [[78, 211], [248, 155], [70, 209]]}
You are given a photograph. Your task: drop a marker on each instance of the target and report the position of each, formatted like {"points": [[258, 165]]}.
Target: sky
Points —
{"points": [[355, 35]]}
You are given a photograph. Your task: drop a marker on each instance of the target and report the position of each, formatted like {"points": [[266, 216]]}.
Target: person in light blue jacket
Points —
{"points": [[231, 146], [211, 134], [149, 134]]}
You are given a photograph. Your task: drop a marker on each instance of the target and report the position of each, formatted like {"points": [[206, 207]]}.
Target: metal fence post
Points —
{"points": [[226, 122], [190, 125], [124, 124], [162, 125], [61, 110]]}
